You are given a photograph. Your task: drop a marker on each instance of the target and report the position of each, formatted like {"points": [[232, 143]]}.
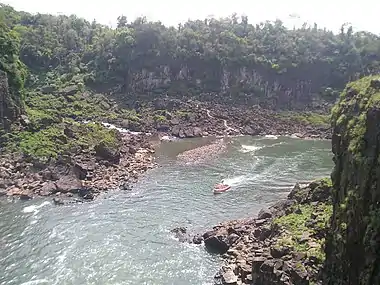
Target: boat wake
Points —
{"points": [[236, 181]]}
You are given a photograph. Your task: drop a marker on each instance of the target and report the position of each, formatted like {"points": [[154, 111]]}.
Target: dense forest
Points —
{"points": [[265, 63]]}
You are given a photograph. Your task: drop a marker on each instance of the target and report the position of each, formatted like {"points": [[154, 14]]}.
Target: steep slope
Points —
{"points": [[12, 77], [353, 245]]}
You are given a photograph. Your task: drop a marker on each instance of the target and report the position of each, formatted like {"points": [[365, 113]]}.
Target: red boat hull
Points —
{"points": [[221, 190]]}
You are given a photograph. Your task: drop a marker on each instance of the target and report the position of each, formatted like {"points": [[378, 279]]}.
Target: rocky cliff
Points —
{"points": [[353, 245], [8, 110]]}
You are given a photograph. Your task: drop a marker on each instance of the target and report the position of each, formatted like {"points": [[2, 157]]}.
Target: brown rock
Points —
{"points": [[68, 183], [48, 188]]}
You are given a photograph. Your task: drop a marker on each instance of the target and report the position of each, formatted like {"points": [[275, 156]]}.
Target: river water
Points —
{"points": [[124, 237]]}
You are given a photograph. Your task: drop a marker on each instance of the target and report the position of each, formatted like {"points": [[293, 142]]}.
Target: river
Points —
{"points": [[124, 237]]}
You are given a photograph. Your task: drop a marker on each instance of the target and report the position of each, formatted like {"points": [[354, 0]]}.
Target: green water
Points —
{"points": [[124, 237]]}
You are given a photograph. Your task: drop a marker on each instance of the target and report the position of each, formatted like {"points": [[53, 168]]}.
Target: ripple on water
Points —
{"points": [[126, 239]]}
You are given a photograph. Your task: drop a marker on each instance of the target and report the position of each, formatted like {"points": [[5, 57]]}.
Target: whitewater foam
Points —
{"points": [[35, 208], [235, 181], [271, 137], [249, 148]]}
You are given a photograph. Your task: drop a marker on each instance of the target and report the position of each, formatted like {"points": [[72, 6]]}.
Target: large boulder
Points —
{"points": [[108, 152], [68, 183]]}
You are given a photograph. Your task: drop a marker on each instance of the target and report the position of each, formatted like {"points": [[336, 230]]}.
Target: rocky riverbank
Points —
{"points": [[203, 153], [186, 119], [283, 245], [80, 175]]}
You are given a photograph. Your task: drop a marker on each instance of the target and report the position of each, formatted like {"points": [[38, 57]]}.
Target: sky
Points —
{"points": [[362, 15]]}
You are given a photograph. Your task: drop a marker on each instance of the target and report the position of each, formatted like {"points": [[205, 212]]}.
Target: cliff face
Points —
{"points": [[245, 84], [8, 109], [353, 245]]}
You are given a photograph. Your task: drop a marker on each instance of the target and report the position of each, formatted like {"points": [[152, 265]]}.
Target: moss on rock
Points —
{"points": [[308, 118], [353, 245]]}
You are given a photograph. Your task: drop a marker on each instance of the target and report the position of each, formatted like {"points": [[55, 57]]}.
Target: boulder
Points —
{"points": [[229, 278], [68, 183], [264, 214], [181, 234], [197, 132], [216, 244], [58, 201], [86, 194], [26, 195], [69, 90], [107, 152], [48, 188]]}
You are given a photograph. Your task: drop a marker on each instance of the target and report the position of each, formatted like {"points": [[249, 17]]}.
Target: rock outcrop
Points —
{"points": [[353, 245], [8, 110], [283, 245], [84, 174]]}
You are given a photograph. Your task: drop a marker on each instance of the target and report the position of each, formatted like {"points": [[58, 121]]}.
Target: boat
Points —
{"points": [[220, 188]]}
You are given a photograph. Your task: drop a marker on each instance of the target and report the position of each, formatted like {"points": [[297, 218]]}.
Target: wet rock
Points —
{"points": [[126, 187], [229, 278], [264, 214], [216, 244], [181, 234], [86, 193], [197, 239], [26, 195], [58, 201]]}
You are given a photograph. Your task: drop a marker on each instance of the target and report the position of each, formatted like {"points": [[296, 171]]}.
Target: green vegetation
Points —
{"points": [[266, 62], [350, 114], [66, 138], [12, 76], [71, 60], [302, 228], [309, 118]]}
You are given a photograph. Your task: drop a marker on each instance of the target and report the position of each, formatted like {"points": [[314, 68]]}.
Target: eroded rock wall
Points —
{"points": [[8, 110], [353, 245]]}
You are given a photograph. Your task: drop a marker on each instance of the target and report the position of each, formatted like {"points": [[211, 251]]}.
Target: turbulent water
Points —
{"points": [[124, 237]]}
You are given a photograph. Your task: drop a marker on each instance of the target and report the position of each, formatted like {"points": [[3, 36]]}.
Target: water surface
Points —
{"points": [[124, 237]]}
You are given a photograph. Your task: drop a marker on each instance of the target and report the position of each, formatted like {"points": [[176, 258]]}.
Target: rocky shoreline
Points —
{"points": [[97, 168], [284, 244], [78, 177], [188, 119]]}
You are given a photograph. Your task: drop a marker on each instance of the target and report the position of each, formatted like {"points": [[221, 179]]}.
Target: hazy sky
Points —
{"points": [[327, 13]]}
